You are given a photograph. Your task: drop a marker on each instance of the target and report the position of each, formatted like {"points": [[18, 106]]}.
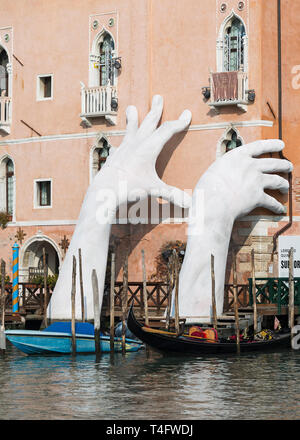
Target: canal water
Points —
{"points": [[150, 386]]}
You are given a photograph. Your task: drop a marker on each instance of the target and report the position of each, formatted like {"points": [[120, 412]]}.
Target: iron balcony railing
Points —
{"points": [[274, 291]]}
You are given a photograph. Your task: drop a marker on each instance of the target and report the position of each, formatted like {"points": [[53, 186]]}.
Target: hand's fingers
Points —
{"points": [[172, 194], [272, 204], [132, 122], [150, 122], [274, 165], [261, 147], [275, 182], [165, 132]]}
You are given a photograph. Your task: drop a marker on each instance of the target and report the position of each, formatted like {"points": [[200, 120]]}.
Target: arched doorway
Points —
{"points": [[31, 259]]}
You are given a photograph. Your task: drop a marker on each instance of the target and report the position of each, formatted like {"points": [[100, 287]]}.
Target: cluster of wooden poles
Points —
{"points": [[173, 283], [96, 302], [235, 296], [291, 306], [173, 267]]}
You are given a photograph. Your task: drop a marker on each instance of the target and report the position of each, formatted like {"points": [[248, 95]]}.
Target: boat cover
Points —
{"points": [[81, 328]]}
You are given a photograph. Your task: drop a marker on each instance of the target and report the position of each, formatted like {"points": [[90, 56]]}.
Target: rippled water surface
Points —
{"points": [[153, 386]]}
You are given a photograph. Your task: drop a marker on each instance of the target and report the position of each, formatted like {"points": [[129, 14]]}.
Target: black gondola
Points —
{"points": [[170, 342]]}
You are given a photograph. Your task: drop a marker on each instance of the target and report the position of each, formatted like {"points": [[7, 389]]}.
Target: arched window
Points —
{"points": [[3, 73], [7, 186], [232, 141], [100, 154], [9, 173], [106, 65], [228, 142], [234, 42]]}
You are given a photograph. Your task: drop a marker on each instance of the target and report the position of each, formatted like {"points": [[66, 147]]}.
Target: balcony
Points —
{"points": [[98, 102], [229, 88], [5, 114]]}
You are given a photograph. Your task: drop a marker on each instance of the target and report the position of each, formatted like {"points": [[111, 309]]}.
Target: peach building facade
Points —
{"points": [[70, 68]]}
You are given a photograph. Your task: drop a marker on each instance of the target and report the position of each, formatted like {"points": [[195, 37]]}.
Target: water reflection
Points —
{"points": [[137, 386]]}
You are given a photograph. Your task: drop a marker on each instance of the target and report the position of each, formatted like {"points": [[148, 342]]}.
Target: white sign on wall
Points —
{"points": [[285, 242]]}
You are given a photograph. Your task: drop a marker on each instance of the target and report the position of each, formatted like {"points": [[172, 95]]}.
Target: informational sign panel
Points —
{"points": [[285, 242]]}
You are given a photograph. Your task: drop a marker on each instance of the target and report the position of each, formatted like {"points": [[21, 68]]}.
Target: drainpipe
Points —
{"points": [[290, 222]]}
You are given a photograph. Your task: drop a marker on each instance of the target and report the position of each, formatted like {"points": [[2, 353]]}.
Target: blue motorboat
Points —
{"points": [[57, 338]]}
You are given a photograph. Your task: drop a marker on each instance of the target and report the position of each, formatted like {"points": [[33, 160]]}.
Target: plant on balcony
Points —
{"points": [[5, 217], [164, 253], [51, 280]]}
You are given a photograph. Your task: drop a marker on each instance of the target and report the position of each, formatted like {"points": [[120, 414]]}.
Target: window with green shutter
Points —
{"points": [[234, 46]]}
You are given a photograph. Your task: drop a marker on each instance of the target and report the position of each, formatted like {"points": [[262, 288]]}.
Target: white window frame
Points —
{"points": [[38, 84], [36, 197]]}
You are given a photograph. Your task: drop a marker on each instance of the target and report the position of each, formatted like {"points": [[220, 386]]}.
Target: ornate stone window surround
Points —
{"points": [[221, 147]]}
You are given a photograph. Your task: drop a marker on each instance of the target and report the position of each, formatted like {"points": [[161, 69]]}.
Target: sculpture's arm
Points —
{"points": [[132, 165], [231, 188]]}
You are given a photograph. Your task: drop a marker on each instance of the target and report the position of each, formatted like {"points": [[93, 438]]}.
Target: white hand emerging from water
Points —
{"points": [[132, 164], [231, 187]]}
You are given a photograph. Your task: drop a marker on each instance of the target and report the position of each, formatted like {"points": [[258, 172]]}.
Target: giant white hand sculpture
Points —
{"points": [[131, 165], [231, 187]]}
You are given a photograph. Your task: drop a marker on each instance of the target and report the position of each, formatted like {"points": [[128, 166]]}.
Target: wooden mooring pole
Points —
{"points": [[112, 303], [254, 292], [45, 288], [73, 295], [81, 285], [213, 292], [236, 305], [291, 292], [176, 279], [2, 330], [170, 289], [145, 294], [124, 303], [145, 297], [96, 313]]}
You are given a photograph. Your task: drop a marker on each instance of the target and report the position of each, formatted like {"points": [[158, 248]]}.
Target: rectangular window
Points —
{"points": [[43, 196], [44, 87], [45, 193]]}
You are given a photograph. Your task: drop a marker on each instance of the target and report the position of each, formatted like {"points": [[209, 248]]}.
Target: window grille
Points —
{"points": [[234, 142], [234, 46], [102, 154], [106, 61]]}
